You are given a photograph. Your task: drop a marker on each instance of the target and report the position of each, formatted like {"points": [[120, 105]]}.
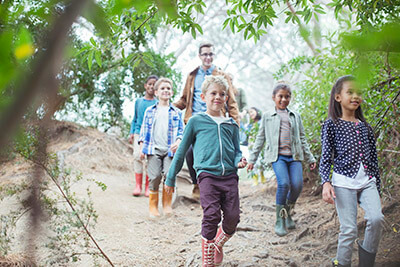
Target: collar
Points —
{"points": [[171, 106], [274, 112], [206, 72], [229, 120]]}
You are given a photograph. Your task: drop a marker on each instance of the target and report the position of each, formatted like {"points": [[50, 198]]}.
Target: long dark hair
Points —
{"points": [[258, 113], [335, 110]]}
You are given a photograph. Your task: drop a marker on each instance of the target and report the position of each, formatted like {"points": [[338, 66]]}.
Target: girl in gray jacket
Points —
{"points": [[285, 147]]}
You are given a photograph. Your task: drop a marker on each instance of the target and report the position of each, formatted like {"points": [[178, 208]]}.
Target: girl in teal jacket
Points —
{"points": [[282, 132]]}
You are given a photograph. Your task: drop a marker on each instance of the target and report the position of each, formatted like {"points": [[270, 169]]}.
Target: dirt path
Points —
{"points": [[132, 239], [129, 238]]}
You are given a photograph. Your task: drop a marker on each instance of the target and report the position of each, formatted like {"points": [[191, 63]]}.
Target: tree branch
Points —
{"points": [[302, 28]]}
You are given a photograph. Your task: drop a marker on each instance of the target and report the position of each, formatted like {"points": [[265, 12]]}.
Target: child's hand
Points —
{"points": [[142, 155], [169, 189], [175, 145], [328, 194], [242, 163], [312, 166], [130, 139], [250, 166]]}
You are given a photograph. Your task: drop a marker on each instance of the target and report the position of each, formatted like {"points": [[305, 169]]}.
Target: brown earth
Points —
{"points": [[130, 238]]}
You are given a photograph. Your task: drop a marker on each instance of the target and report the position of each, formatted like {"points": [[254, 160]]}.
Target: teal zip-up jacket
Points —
{"points": [[216, 147], [268, 133]]}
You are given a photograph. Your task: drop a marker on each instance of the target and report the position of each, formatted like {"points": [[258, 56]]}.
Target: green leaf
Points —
{"points": [[7, 68], [24, 37], [225, 23], [289, 17], [148, 59], [193, 32], [198, 27], [93, 41], [135, 64], [90, 59], [23, 46], [232, 25], [83, 49], [96, 15], [167, 6], [97, 57]]}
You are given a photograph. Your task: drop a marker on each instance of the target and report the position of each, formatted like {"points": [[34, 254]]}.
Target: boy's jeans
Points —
{"points": [[289, 175], [346, 206]]}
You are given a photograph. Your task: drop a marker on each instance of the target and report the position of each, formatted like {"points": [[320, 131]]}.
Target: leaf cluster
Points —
{"points": [[253, 17]]}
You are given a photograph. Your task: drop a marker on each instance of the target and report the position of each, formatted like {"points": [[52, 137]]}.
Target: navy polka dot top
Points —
{"points": [[346, 145]]}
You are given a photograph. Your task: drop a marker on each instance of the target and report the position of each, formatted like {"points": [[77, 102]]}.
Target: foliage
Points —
{"points": [[380, 100], [114, 43], [254, 16], [369, 13], [66, 240], [95, 78]]}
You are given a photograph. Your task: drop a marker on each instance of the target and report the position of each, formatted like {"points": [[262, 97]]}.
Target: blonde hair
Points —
{"points": [[218, 80], [161, 80]]}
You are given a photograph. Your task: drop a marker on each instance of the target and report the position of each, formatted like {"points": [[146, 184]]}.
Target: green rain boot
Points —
{"points": [[365, 258], [289, 221], [280, 225]]}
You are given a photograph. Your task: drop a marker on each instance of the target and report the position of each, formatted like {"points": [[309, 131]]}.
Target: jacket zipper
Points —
{"points": [[220, 148]]}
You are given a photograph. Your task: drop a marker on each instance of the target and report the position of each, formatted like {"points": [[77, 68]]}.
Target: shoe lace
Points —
{"points": [[209, 253], [221, 240], [217, 248]]}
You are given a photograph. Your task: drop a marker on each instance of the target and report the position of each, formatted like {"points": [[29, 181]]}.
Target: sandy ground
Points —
{"points": [[130, 238]]}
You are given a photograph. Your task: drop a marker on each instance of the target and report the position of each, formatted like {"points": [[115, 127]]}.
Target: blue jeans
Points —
{"points": [[346, 206], [289, 175]]}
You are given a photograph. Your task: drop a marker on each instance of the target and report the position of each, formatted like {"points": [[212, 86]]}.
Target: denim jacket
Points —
{"points": [[269, 134]]}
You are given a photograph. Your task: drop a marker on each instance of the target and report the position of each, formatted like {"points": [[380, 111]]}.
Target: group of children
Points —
{"points": [[348, 144]]}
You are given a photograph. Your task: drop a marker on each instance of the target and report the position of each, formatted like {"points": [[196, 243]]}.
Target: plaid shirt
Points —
{"points": [[175, 128]]}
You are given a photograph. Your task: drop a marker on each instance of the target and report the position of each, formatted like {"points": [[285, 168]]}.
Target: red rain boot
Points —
{"points": [[220, 240], [207, 252], [146, 187], [138, 188]]}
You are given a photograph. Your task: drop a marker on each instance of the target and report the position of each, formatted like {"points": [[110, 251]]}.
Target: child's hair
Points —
{"points": [[205, 45], [151, 77], [281, 86], [258, 113], [335, 110], [211, 79], [162, 80]]}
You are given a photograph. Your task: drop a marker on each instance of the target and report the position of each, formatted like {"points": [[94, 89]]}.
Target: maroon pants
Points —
{"points": [[219, 193]]}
